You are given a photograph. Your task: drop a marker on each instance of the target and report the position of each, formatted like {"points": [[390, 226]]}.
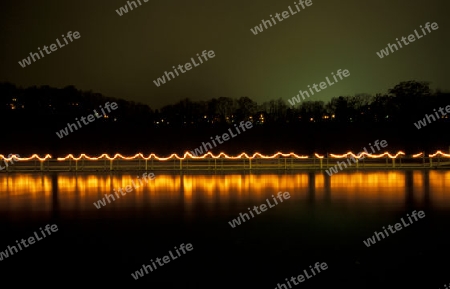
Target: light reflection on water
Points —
{"points": [[36, 192]]}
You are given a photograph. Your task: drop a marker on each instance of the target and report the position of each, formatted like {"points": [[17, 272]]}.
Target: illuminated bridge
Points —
{"points": [[223, 162]]}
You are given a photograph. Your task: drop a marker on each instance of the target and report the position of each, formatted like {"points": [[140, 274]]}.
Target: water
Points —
{"points": [[325, 220]]}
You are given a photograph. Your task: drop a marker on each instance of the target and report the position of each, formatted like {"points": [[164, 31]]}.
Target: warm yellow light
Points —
{"points": [[16, 157], [369, 155], [439, 153], [188, 155]]}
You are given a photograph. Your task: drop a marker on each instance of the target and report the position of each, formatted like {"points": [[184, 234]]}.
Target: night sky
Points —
{"points": [[120, 56]]}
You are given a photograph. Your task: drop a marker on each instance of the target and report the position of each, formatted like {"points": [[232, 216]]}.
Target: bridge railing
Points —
{"points": [[223, 162]]}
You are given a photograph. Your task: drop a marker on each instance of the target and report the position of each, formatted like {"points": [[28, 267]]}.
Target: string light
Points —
{"points": [[439, 153], [185, 156], [188, 155], [16, 157], [366, 154]]}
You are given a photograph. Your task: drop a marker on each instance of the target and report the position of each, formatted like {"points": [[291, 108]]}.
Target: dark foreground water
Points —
{"points": [[325, 220]]}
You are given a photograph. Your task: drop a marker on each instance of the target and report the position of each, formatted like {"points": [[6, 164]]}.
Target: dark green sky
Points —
{"points": [[120, 56]]}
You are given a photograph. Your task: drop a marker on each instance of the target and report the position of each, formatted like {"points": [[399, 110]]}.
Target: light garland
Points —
{"points": [[185, 156], [440, 154], [17, 157], [369, 155], [188, 155]]}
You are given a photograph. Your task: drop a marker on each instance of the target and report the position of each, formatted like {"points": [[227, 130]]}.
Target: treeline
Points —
{"points": [[405, 102], [62, 104]]}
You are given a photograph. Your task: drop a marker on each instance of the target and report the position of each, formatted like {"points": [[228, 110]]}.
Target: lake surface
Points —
{"points": [[326, 219]]}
